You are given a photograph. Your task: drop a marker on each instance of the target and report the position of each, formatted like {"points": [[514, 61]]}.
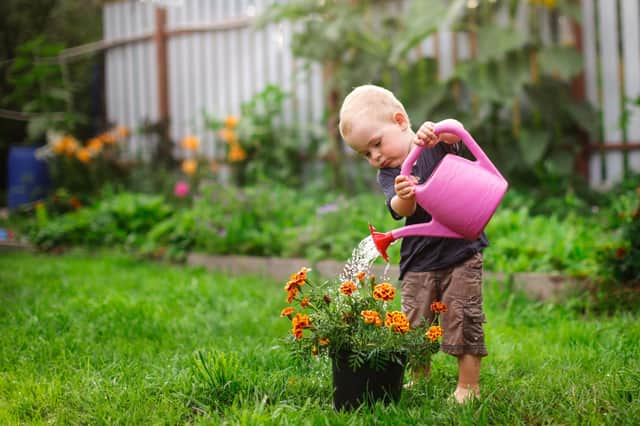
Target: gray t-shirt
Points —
{"points": [[422, 254]]}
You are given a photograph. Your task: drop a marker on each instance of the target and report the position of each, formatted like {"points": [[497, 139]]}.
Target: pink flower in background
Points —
{"points": [[181, 189]]}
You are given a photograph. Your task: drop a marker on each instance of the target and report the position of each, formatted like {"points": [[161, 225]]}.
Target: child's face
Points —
{"points": [[383, 144]]}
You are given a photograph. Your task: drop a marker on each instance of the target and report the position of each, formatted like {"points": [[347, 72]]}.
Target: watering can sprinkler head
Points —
{"points": [[382, 241]]}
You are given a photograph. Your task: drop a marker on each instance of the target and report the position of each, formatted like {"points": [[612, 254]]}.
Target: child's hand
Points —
{"points": [[404, 187], [426, 135]]}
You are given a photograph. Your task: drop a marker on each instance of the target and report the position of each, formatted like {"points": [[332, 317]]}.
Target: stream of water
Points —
{"points": [[361, 259]]}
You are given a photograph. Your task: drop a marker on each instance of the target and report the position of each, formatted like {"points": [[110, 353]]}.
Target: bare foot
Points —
{"points": [[463, 395]]}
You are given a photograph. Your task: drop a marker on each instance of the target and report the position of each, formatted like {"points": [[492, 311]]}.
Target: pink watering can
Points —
{"points": [[460, 195]]}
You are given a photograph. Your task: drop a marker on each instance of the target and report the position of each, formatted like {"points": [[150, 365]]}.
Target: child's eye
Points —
{"points": [[378, 143], [367, 154]]}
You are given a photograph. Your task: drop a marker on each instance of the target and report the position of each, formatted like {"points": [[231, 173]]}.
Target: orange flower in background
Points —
{"points": [[360, 275], [286, 312], [121, 132], [228, 135], [372, 317], [66, 145], [59, 147], [189, 166], [75, 203], [348, 288], [438, 307], [236, 153], [323, 342], [434, 333], [397, 322], [191, 143], [94, 146], [83, 155], [107, 138], [304, 302], [550, 4], [384, 291], [231, 122]]}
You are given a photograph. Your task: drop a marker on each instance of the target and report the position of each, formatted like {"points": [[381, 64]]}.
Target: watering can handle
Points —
{"points": [[451, 126]]}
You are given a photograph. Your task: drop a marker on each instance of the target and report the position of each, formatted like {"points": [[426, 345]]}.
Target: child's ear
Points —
{"points": [[401, 119]]}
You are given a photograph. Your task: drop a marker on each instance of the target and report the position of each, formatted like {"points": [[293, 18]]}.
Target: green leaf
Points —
{"points": [[584, 116], [422, 19], [495, 42], [533, 143], [566, 62], [560, 163], [571, 10], [37, 127]]}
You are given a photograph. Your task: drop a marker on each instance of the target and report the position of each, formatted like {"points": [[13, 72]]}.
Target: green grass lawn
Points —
{"points": [[106, 339]]}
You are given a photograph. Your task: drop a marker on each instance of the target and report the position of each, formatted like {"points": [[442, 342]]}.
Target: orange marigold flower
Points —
{"points": [[189, 166], [236, 153], [121, 132], [191, 143], [314, 350], [67, 145], [438, 307], [323, 341], [107, 138], [397, 322], [304, 302], [301, 275], [83, 155], [348, 287], [292, 293], [360, 275], [286, 312], [231, 121], [94, 146], [228, 135], [299, 323], [384, 291], [434, 333], [59, 147], [372, 317]]}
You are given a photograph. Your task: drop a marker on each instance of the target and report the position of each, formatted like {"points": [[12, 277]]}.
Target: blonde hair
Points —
{"points": [[370, 101]]}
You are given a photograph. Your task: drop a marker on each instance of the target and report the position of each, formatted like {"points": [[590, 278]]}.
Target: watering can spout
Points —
{"points": [[382, 241]]}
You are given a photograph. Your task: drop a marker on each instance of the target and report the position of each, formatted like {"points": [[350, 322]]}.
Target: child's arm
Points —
{"points": [[404, 202]]}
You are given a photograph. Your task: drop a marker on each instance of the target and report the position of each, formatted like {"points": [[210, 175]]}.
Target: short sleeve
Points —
{"points": [[386, 179]]}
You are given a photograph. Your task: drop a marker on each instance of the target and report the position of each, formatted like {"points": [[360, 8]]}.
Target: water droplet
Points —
{"points": [[361, 260]]}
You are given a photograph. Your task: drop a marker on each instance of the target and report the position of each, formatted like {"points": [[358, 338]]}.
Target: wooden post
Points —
{"points": [[581, 162], [160, 38]]}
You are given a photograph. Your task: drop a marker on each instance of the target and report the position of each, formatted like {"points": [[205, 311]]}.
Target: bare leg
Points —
{"points": [[468, 378]]}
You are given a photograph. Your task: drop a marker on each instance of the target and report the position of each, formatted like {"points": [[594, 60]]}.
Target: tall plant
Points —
{"points": [[356, 42], [513, 93], [516, 89]]}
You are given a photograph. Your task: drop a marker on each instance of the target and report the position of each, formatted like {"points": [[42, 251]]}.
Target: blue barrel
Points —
{"points": [[28, 178]]}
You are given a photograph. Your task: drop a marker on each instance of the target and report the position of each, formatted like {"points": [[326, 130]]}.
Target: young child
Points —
{"points": [[375, 124]]}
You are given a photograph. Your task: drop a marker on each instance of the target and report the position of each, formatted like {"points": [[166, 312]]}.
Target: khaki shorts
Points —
{"points": [[460, 288]]}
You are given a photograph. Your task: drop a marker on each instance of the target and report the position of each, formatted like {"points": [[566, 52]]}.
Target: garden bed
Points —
{"points": [[536, 285]]}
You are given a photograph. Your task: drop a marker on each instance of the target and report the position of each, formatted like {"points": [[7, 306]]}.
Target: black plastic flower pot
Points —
{"points": [[365, 385]]}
